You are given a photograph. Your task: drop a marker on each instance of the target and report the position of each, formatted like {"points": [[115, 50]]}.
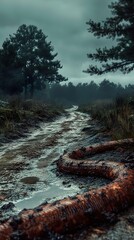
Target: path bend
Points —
{"points": [[73, 212]]}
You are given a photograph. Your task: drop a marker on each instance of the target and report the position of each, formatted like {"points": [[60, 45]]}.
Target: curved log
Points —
{"points": [[82, 209]]}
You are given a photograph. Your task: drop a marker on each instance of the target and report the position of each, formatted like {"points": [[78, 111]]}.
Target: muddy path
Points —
{"points": [[29, 177]]}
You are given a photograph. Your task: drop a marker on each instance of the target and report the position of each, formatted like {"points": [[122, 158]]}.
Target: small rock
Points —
{"points": [[65, 182], [8, 206], [81, 186], [30, 180]]}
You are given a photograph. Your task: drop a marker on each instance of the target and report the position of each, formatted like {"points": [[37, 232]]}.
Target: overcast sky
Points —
{"points": [[64, 22]]}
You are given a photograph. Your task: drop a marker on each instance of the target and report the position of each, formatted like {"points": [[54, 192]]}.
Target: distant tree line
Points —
{"points": [[85, 92]]}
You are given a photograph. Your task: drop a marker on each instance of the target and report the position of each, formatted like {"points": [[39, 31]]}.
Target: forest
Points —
{"points": [[29, 69], [85, 93], [66, 150]]}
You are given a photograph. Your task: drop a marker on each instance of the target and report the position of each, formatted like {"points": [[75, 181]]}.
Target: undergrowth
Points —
{"points": [[117, 118], [17, 114]]}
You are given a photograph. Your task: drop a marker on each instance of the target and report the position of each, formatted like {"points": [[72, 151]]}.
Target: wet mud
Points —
{"points": [[29, 177]]}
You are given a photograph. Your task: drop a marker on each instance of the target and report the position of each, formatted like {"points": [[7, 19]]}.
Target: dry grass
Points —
{"points": [[116, 118], [25, 113]]}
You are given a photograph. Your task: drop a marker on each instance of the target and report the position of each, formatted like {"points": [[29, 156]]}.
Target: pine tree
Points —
{"points": [[120, 28], [34, 56]]}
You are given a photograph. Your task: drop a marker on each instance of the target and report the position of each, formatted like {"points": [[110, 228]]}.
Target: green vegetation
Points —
{"points": [[28, 62], [18, 116], [119, 28], [116, 118], [84, 93], [29, 68]]}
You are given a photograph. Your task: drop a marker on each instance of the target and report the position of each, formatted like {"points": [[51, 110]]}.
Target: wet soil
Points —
{"points": [[29, 177]]}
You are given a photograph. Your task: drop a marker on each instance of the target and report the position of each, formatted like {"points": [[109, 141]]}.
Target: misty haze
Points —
{"points": [[66, 120]]}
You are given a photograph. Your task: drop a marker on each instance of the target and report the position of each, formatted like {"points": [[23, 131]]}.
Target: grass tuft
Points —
{"points": [[117, 118], [18, 115]]}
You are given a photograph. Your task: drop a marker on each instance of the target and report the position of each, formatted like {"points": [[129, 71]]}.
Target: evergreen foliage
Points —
{"points": [[84, 93], [28, 52], [120, 28]]}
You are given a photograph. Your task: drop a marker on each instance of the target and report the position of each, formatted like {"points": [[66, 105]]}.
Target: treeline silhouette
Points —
{"points": [[83, 93]]}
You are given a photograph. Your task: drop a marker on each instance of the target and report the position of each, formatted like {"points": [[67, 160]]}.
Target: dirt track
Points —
{"points": [[28, 173]]}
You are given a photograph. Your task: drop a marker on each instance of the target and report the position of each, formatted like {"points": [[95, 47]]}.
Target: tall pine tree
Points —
{"points": [[120, 28], [34, 56]]}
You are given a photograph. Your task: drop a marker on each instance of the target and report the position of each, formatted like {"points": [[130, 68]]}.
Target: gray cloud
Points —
{"points": [[65, 24]]}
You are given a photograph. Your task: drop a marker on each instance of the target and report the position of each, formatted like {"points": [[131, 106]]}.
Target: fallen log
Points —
{"points": [[73, 212]]}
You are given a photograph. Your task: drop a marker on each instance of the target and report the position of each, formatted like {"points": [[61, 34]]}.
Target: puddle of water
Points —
{"points": [[49, 185], [52, 193]]}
